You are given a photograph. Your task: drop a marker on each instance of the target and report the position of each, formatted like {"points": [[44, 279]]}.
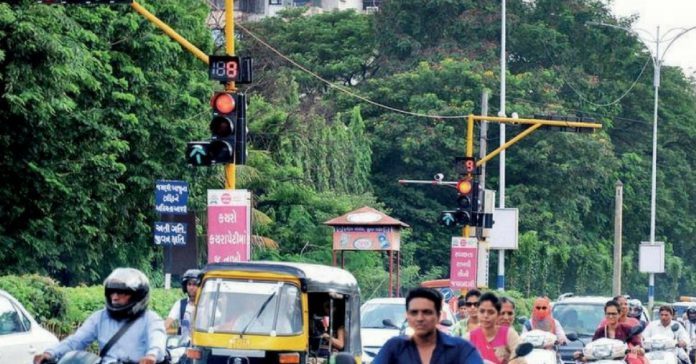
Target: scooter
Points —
{"points": [[661, 349], [609, 351], [544, 347]]}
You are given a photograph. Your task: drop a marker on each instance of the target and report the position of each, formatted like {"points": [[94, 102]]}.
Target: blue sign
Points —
{"points": [[170, 233], [171, 197]]}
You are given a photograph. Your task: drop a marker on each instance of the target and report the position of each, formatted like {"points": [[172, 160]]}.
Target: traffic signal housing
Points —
{"points": [[222, 127]]}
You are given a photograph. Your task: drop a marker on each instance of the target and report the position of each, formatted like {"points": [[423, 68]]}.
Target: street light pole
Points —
{"points": [[657, 60], [503, 63]]}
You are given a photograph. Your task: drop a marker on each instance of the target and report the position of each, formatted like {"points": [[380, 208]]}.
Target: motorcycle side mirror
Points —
{"points": [[521, 320], [390, 324], [636, 330], [675, 327], [523, 349], [572, 336], [343, 358], [173, 341], [446, 322]]}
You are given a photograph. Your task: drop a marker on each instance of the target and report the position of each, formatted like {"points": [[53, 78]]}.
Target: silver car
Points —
{"points": [[21, 337]]}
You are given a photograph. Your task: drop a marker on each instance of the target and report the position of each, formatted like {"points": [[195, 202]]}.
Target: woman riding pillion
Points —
{"points": [[496, 343], [126, 331]]}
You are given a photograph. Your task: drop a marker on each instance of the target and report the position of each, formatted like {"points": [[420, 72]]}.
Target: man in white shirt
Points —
{"points": [[663, 327], [184, 315]]}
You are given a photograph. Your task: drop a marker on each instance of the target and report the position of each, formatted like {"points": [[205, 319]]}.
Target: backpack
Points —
{"points": [[182, 310]]}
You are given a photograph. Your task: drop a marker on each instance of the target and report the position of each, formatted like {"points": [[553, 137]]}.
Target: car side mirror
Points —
{"points": [[389, 323], [572, 336], [675, 327], [446, 322], [343, 358]]}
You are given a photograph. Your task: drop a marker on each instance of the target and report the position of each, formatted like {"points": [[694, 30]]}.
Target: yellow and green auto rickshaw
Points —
{"points": [[276, 312]]}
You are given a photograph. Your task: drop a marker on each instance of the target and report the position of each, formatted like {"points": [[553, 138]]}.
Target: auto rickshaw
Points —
{"points": [[275, 312]]}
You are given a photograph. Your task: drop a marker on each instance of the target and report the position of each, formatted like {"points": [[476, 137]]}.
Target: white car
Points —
{"points": [[21, 337], [373, 332]]}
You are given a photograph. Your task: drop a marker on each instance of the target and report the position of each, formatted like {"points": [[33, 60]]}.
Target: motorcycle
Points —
{"points": [[544, 347], [661, 349], [176, 347], [608, 351]]}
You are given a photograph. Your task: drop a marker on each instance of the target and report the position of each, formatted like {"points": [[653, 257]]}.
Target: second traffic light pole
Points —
{"points": [[230, 168]]}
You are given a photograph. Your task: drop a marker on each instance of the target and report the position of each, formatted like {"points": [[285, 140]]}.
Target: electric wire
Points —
{"points": [[581, 95]]}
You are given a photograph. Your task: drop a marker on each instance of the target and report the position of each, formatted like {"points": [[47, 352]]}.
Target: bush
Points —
{"points": [[41, 296], [63, 309]]}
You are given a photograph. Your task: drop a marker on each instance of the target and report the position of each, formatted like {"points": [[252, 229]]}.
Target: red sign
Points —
{"points": [[463, 263], [229, 220]]}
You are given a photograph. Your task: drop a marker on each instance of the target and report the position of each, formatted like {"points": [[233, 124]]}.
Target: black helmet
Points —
{"points": [[635, 309], [189, 275], [691, 314], [131, 281]]}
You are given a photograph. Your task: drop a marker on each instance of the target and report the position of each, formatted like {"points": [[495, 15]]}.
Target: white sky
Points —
{"points": [[667, 14]]}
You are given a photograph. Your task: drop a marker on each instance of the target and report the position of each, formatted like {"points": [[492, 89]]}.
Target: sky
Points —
{"points": [[667, 14]]}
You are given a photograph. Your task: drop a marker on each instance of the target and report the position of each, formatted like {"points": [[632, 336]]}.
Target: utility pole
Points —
{"points": [[503, 70], [618, 224], [230, 168]]}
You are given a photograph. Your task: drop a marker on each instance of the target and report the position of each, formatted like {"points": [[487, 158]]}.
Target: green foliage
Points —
{"points": [[97, 104], [39, 295]]}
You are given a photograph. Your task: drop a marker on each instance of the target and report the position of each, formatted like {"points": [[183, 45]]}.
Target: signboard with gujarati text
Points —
{"points": [[229, 226], [463, 263], [171, 197], [170, 233]]}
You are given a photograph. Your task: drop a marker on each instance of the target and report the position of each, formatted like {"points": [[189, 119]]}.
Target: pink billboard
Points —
{"points": [[463, 263], [229, 226]]}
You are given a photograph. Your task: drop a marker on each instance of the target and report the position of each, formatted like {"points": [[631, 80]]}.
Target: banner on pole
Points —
{"points": [[229, 226], [463, 263]]}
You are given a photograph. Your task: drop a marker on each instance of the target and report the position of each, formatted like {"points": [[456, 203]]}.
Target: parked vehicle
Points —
{"points": [[21, 337], [545, 347], [380, 320], [271, 312]]}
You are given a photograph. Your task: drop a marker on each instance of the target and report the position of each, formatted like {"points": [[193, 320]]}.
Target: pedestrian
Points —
{"points": [[125, 329], [428, 345]]}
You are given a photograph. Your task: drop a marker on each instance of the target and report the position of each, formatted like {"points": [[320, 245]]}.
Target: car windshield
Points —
{"points": [[250, 307], [581, 318], [372, 314]]}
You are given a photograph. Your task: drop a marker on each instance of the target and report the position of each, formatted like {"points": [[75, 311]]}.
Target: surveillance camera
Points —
{"points": [[439, 177], [515, 115]]}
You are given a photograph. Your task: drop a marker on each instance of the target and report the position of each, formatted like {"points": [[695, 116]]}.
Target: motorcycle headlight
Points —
{"points": [[601, 352]]}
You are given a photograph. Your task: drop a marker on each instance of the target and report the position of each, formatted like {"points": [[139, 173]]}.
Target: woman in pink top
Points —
{"points": [[495, 343], [623, 314]]}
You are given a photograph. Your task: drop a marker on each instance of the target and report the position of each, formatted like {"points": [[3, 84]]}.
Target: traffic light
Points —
{"points": [[222, 127]]}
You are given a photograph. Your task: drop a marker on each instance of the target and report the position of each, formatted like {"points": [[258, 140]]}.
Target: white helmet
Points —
{"points": [[133, 282]]}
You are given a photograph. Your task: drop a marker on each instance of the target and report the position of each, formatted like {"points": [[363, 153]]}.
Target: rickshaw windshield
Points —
{"points": [[249, 307]]}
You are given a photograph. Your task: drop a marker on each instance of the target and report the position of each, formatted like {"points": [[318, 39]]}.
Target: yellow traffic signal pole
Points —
{"points": [[534, 125], [170, 32], [230, 168]]}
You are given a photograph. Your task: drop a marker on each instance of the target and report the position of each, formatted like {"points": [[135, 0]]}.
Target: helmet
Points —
{"points": [[691, 314], [635, 308], [188, 275], [132, 281]]}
